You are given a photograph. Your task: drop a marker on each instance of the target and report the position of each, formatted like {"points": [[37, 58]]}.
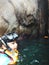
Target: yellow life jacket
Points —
{"points": [[13, 55]]}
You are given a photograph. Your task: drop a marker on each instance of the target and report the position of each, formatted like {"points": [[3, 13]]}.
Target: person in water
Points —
{"points": [[9, 45]]}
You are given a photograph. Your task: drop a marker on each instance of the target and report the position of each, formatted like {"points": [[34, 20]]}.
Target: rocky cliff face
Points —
{"points": [[21, 16], [48, 16], [43, 16]]}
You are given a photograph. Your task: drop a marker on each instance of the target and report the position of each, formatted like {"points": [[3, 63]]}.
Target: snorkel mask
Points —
{"points": [[9, 38]]}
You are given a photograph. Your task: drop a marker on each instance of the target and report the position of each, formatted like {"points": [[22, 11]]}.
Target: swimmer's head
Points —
{"points": [[10, 40]]}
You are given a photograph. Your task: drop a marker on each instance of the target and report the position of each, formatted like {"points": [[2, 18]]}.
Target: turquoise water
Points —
{"points": [[4, 60], [34, 52]]}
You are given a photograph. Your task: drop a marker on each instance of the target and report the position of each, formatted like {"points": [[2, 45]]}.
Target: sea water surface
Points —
{"points": [[34, 52]]}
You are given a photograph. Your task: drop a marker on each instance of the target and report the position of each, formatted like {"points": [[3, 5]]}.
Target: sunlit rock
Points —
{"points": [[18, 15]]}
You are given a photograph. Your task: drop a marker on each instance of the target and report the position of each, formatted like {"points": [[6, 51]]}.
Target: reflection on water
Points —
{"points": [[34, 52]]}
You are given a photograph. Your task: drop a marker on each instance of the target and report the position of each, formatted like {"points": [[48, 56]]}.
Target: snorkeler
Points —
{"points": [[8, 46]]}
